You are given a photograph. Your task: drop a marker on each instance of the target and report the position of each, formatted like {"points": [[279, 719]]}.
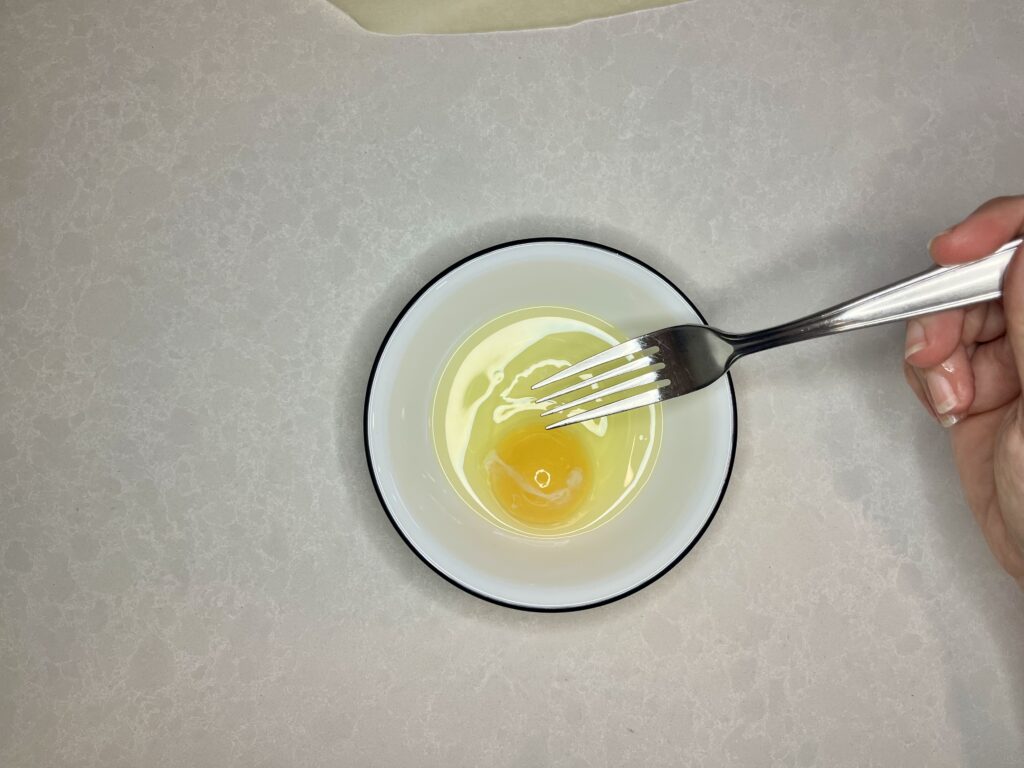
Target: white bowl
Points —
{"points": [[630, 551]]}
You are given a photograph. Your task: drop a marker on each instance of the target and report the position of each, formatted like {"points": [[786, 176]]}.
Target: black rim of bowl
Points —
{"points": [[373, 475]]}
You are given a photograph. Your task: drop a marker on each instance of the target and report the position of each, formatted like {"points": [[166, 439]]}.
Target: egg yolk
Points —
{"points": [[539, 476]]}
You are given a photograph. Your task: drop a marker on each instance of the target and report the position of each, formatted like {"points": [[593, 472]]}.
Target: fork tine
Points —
{"points": [[613, 353], [636, 381], [634, 365], [636, 401]]}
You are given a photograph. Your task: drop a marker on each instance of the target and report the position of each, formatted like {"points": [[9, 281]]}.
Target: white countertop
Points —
{"points": [[210, 212]]}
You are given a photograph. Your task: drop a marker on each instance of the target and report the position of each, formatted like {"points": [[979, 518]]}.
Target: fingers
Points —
{"points": [[944, 357], [916, 382], [993, 224], [946, 389], [995, 376], [995, 381], [932, 338], [984, 322]]}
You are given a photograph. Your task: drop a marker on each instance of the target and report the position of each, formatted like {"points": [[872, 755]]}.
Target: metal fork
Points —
{"points": [[684, 358]]}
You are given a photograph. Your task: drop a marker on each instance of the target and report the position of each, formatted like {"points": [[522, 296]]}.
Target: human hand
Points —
{"points": [[967, 365]]}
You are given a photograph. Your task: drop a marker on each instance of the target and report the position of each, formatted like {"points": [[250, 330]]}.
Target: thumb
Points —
{"points": [[1013, 305]]}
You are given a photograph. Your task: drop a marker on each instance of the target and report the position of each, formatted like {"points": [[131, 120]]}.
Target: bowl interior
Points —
{"points": [[632, 549]]}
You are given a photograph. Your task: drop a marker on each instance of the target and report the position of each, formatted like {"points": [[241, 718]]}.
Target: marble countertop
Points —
{"points": [[211, 211]]}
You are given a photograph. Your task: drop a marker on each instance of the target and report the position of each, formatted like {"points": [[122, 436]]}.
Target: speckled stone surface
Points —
{"points": [[210, 213]]}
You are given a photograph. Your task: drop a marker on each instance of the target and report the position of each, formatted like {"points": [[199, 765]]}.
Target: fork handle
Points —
{"points": [[936, 290]]}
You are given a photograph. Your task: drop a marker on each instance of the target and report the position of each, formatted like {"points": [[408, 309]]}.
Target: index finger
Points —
{"points": [[996, 222]]}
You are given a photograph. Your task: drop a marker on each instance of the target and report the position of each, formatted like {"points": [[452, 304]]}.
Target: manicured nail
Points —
{"points": [[916, 340], [940, 392], [949, 420]]}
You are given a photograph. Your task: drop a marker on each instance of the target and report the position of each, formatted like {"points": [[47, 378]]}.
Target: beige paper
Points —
{"points": [[403, 17]]}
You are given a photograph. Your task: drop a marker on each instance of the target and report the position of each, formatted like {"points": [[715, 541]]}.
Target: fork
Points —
{"points": [[684, 358]]}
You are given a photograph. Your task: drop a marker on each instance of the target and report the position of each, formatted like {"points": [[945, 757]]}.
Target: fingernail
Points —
{"points": [[940, 392], [916, 340], [949, 420], [936, 237]]}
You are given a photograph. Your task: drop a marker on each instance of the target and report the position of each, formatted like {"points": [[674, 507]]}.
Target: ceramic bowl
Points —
{"points": [[634, 548]]}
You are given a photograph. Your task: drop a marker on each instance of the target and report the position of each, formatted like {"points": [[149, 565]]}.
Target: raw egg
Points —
{"points": [[491, 441]]}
